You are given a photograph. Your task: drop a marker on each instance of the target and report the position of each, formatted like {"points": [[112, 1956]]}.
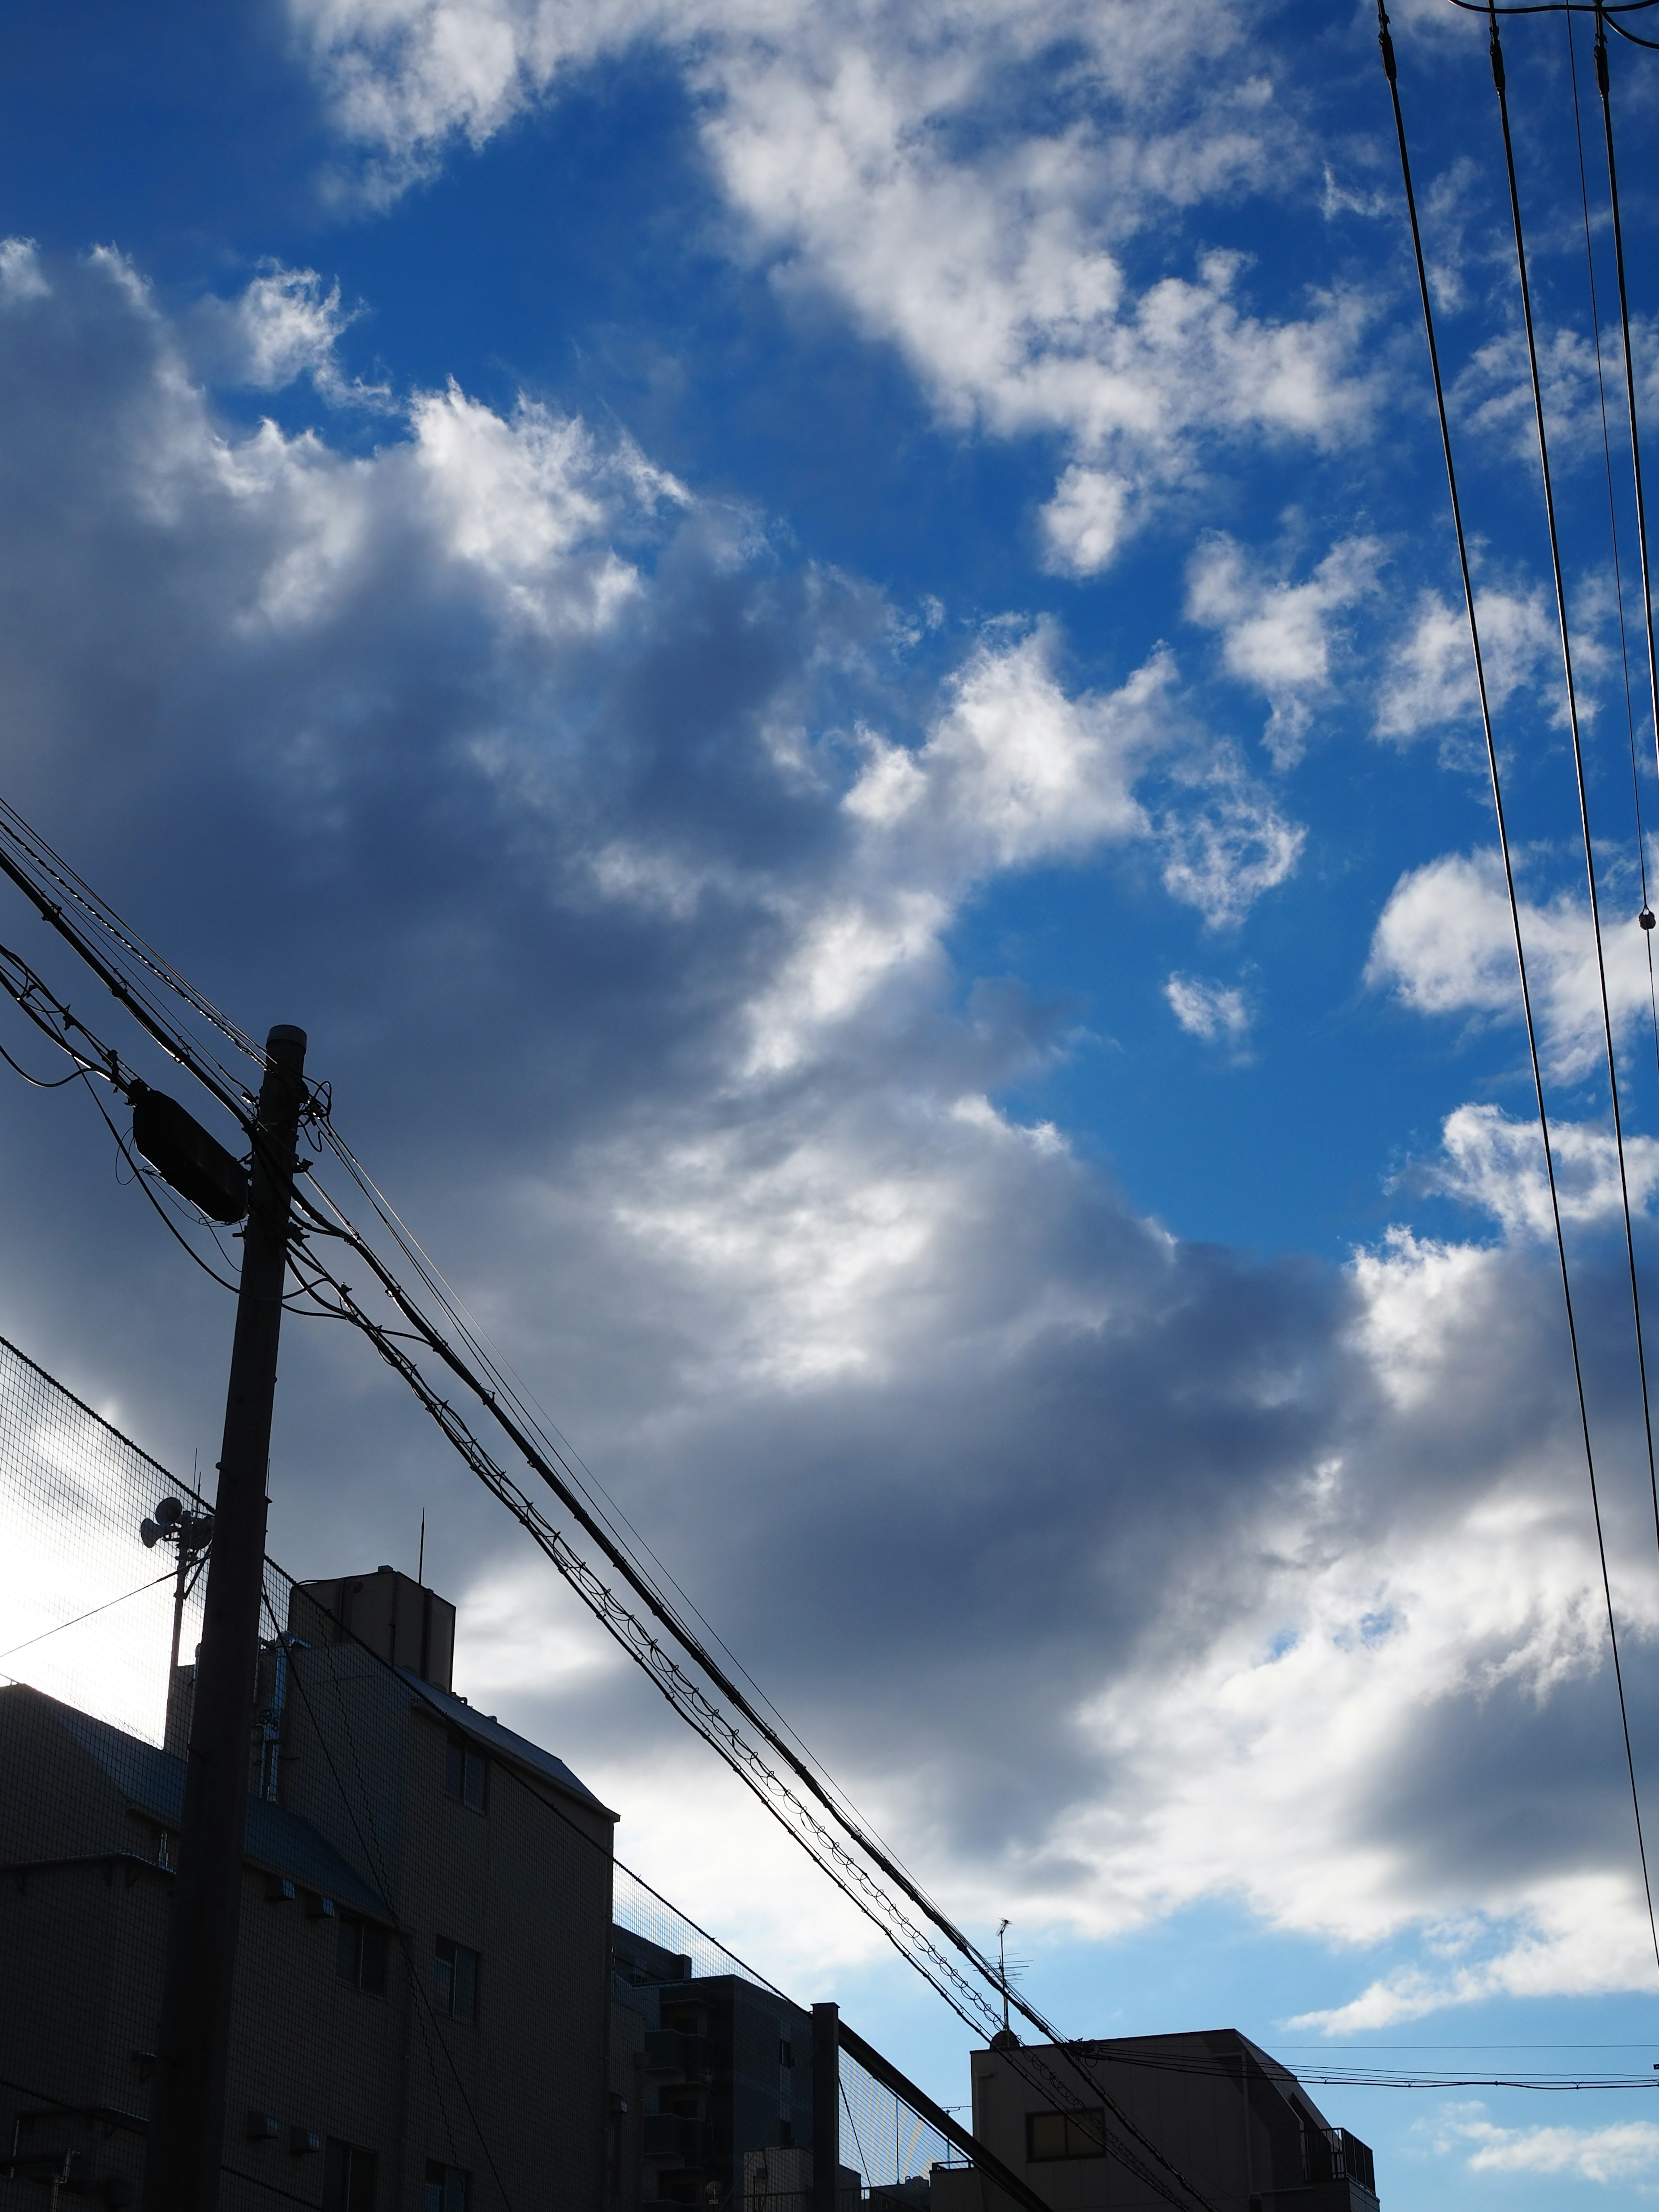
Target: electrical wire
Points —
{"points": [[156, 1584], [1498, 80], [1390, 69], [1604, 84], [1646, 917], [1611, 9], [833, 1858], [17, 1068], [1558, 579]]}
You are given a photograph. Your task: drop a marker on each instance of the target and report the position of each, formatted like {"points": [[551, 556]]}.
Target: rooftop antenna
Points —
{"points": [[1008, 1971], [420, 1571]]}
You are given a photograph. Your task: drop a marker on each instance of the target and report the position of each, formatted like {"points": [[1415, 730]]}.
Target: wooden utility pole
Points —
{"points": [[187, 2107]]}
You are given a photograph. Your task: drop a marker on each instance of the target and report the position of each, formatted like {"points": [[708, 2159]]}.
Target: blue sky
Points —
{"points": [[820, 648]]}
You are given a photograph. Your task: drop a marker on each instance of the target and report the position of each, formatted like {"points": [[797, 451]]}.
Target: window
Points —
{"points": [[360, 1954], [448, 2188], [466, 1775], [786, 2054], [455, 1980], [1065, 2135], [348, 2177]]}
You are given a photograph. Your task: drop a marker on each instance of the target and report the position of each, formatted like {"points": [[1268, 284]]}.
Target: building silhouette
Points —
{"points": [[1229, 2117], [423, 1988]]}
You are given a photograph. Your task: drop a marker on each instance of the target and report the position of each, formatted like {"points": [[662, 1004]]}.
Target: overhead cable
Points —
{"points": [[1646, 918], [1603, 79], [1496, 52], [1391, 70]]}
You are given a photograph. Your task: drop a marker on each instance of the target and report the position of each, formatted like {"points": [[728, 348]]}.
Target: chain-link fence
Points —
{"points": [[449, 1996]]}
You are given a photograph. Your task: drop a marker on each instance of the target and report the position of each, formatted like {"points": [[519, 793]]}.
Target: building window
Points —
{"points": [[786, 2054], [348, 2177], [448, 2188], [360, 1954], [455, 1980], [466, 1775], [1065, 2135]]}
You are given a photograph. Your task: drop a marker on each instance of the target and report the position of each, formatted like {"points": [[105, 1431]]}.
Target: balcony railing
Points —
{"points": [[1332, 2154]]}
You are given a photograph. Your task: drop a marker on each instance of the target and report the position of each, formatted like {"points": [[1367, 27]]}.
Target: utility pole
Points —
{"points": [[187, 2105]]}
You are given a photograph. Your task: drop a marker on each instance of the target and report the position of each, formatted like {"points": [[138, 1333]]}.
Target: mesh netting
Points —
{"points": [[892, 2146]]}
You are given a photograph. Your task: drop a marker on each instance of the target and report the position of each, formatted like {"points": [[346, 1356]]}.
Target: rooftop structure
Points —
{"points": [[1221, 2111]]}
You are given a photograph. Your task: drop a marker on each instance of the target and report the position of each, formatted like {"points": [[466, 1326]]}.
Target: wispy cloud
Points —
{"points": [[1627, 2151], [1211, 1011]]}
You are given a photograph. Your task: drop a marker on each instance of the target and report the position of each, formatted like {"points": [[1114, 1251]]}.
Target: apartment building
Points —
{"points": [[421, 2010], [723, 2073]]}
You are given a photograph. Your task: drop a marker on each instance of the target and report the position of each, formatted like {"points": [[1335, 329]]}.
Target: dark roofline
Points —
{"points": [[150, 1782], [485, 1728], [1144, 2049]]}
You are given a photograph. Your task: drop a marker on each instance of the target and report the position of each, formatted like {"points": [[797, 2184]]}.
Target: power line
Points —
{"points": [[1603, 78], [1391, 70], [1498, 80], [1646, 917], [92, 1615]]}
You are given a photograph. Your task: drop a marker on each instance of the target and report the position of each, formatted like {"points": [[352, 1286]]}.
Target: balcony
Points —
{"points": [[667, 2135], [1339, 2170], [668, 2051]]}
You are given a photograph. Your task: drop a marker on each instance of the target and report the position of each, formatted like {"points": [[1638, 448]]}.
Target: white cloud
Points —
{"points": [[285, 325], [1085, 521], [836, 135], [1493, 394], [1017, 773], [1626, 2151], [1279, 637], [1016, 770], [1209, 1009], [1446, 945], [1498, 1164], [20, 274], [1227, 843], [1430, 681]]}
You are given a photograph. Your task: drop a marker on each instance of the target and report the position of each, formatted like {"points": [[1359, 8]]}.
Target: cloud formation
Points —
{"points": [[1446, 945], [1626, 2152], [880, 155], [1207, 1010], [1280, 638], [616, 854]]}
